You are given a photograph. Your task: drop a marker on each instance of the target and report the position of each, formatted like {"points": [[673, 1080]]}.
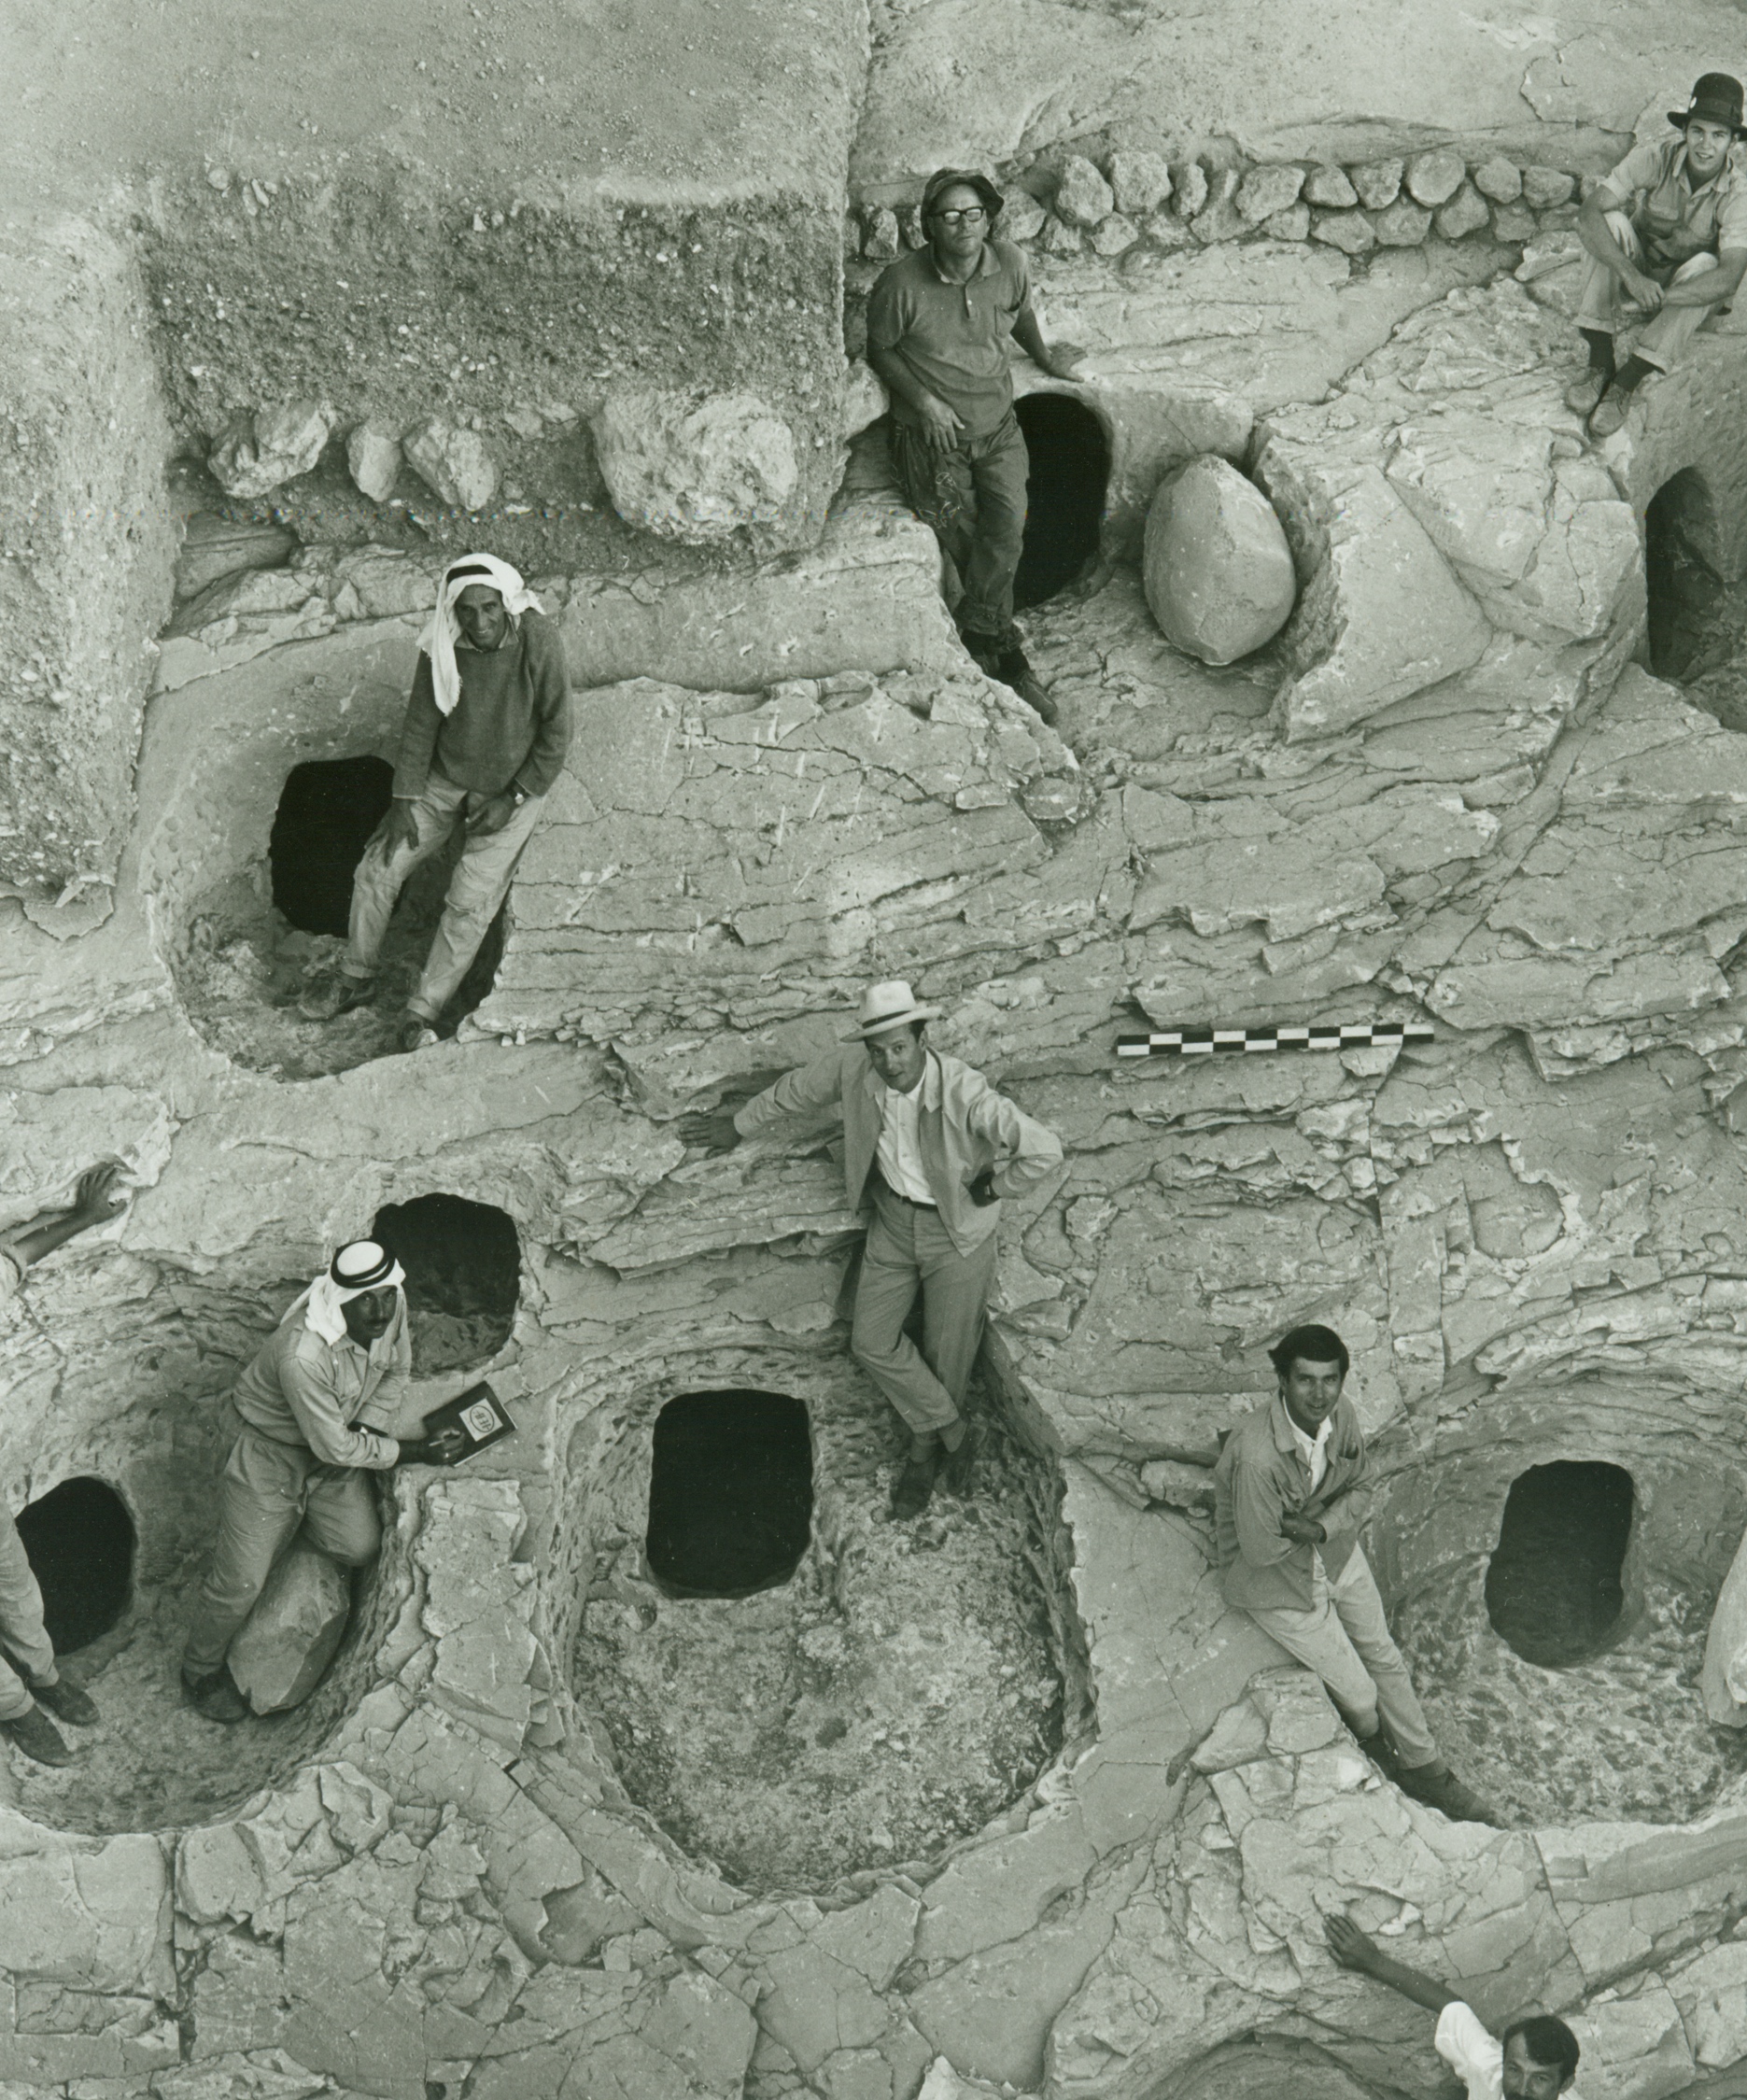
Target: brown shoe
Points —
{"points": [[1438, 1787], [67, 1703], [37, 1737], [955, 1474], [334, 994], [215, 1698], [913, 1487], [1582, 397]]}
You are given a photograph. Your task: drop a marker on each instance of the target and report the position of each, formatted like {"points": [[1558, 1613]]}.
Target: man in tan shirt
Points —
{"points": [[310, 1418], [932, 1147], [30, 1678]]}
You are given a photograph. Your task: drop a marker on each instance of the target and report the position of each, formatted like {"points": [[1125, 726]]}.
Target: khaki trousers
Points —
{"points": [[974, 497], [29, 1657], [1345, 1639], [1603, 305], [267, 1492], [908, 1249], [476, 889]]}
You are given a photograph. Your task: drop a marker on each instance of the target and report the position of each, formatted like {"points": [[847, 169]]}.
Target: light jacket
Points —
{"points": [[1262, 1477], [332, 1398], [965, 1126]]}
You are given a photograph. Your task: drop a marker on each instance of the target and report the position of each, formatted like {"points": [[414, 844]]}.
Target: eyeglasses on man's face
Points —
{"points": [[973, 215]]}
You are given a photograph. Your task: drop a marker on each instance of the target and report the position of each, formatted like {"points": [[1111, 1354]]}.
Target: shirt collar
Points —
{"points": [[986, 264], [1287, 1436]]}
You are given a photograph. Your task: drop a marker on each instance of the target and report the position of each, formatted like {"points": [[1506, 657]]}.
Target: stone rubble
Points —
{"points": [[452, 461], [695, 471], [274, 445], [1218, 572]]}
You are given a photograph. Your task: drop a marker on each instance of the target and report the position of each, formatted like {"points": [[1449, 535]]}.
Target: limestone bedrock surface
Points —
{"points": [[1447, 789]]}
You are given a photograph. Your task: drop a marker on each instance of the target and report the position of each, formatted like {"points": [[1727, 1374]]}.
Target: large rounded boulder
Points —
{"points": [[1219, 572], [691, 469]]}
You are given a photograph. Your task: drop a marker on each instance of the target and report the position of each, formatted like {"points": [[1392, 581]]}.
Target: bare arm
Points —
{"points": [[806, 1090], [96, 1200], [1594, 233], [1357, 1950], [1061, 363], [1710, 288]]}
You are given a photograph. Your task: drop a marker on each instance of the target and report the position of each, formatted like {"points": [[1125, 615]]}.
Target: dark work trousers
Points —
{"points": [[974, 497]]}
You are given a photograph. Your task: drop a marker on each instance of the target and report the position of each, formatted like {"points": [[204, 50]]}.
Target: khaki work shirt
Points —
{"points": [[332, 1398], [954, 336], [963, 1127], [1673, 220], [1262, 1476]]}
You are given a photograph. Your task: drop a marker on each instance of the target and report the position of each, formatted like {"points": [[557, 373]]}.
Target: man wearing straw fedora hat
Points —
{"points": [[1666, 236], [929, 1148]]}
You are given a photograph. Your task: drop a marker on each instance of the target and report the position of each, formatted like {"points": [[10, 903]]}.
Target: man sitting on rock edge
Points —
{"points": [[938, 322], [1534, 2059], [1666, 236], [308, 1421], [487, 730], [30, 1678], [932, 1147], [1285, 1532]]}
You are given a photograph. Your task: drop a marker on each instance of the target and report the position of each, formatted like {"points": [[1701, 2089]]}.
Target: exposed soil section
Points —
{"points": [[1621, 1738], [894, 1694]]}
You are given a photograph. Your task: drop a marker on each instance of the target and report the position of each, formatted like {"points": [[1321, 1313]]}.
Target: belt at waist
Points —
{"points": [[879, 1181]]}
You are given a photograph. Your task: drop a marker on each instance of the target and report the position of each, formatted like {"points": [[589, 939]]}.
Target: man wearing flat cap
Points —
{"points": [[1666, 236], [938, 323], [309, 1423], [929, 1148]]}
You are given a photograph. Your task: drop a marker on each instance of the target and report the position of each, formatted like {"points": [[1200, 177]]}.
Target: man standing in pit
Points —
{"points": [[485, 734], [1534, 2059], [30, 1678], [938, 323], [1286, 1531], [1666, 236], [932, 1147], [309, 1422]]}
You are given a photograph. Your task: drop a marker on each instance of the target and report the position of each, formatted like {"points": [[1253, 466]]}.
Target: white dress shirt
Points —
{"points": [[899, 1151], [1312, 1450]]}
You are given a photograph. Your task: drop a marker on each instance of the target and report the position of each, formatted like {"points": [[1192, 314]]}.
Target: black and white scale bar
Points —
{"points": [[1209, 1042]]}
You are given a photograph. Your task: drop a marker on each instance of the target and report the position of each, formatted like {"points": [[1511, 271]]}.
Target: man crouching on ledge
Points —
{"points": [[1285, 1530]]}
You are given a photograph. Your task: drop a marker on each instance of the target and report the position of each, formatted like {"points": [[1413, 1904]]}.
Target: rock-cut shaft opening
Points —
{"points": [[1553, 1588], [730, 1492], [80, 1538], [463, 1263], [328, 809], [1686, 595], [1070, 473]]}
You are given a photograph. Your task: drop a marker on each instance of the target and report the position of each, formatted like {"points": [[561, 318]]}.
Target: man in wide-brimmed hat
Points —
{"points": [[930, 1148], [938, 323], [1667, 233]]}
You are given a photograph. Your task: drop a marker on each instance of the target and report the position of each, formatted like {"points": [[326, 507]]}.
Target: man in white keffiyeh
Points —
{"points": [[310, 1422], [486, 733]]}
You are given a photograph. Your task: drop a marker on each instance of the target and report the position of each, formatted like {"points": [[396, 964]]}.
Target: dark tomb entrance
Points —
{"points": [[1552, 1586], [1687, 599], [463, 1263], [78, 1538], [327, 811], [730, 1492], [1070, 472]]}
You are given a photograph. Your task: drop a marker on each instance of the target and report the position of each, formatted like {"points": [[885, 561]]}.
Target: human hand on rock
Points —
{"points": [[98, 1198], [1350, 1947], [1065, 361], [712, 1128]]}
